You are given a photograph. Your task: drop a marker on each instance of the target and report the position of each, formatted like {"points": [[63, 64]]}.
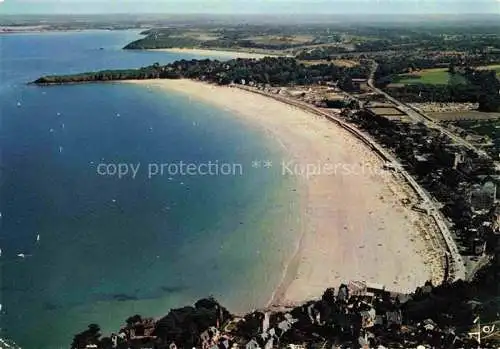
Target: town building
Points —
{"points": [[482, 197]]}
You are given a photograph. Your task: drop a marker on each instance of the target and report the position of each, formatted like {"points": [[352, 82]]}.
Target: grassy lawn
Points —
{"points": [[437, 76]]}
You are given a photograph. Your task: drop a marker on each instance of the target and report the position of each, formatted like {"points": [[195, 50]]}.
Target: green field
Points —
{"points": [[437, 76]]}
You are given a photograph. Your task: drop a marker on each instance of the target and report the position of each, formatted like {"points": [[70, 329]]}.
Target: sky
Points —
{"points": [[250, 6]]}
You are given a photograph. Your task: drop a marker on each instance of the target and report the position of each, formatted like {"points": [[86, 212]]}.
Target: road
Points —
{"points": [[457, 266], [420, 116]]}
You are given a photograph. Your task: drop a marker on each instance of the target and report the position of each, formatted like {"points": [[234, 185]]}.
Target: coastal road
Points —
{"points": [[457, 266]]}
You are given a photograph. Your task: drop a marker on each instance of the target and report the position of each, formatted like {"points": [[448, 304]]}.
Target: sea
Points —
{"points": [[83, 240]]}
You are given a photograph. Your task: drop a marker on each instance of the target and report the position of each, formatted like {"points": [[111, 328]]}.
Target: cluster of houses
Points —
{"points": [[463, 182], [357, 315]]}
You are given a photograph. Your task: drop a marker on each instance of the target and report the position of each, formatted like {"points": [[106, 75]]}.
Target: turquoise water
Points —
{"points": [[108, 247]]}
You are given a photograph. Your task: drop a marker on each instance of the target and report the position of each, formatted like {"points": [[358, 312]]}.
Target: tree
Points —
{"points": [[489, 103], [133, 319], [90, 336]]}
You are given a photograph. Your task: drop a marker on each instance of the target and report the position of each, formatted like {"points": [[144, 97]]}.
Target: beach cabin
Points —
{"points": [[356, 288], [478, 246], [359, 84]]}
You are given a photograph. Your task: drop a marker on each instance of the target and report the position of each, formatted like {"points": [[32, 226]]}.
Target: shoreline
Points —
{"points": [[54, 30], [350, 223], [209, 52]]}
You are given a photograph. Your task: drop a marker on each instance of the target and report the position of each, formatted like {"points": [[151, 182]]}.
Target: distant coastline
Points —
{"points": [[48, 29]]}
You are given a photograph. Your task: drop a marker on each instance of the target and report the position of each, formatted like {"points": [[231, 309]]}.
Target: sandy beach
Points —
{"points": [[202, 52], [355, 224]]}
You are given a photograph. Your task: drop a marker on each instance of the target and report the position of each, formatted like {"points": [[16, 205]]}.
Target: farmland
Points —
{"points": [[435, 76]]}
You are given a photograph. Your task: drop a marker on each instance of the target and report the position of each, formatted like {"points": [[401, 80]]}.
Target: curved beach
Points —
{"points": [[355, 223]]}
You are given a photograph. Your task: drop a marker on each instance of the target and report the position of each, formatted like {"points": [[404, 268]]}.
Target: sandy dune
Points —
{"points": [[354, 224]]}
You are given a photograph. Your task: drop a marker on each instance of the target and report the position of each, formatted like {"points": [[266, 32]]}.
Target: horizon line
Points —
{"points": [[251, 14]]}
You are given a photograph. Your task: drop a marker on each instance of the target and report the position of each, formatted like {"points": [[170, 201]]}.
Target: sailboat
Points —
{"points": [[37, 237]]}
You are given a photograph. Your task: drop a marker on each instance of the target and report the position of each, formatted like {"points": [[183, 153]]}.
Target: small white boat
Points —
{"points": [[62, 126], [18, 104], [37, 237], [21, 255], [51, 130], [58, 114], [60, 149]]}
